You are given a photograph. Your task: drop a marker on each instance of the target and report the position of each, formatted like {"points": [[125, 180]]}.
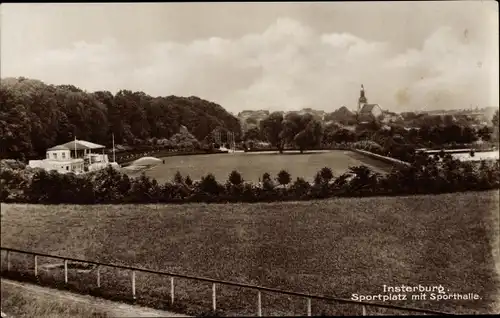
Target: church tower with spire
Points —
{"points": [[362, 98]]}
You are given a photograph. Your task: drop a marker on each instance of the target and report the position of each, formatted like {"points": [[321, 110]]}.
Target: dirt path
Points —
{"points": [[114, 309]]}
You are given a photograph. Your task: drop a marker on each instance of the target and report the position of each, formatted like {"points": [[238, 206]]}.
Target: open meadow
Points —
{"points": [[253, 165], [22, 302], [334, 247]]}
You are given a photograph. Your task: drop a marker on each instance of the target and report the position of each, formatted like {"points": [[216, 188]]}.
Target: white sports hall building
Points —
{"points": [[76, 156]]}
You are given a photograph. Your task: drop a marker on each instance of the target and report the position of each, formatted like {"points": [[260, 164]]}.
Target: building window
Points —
{"points": [[48, 155], [63, 155], [67, 168], [54, 155]]}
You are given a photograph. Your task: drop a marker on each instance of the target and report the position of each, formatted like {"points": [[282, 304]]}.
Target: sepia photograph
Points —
{"points": [[247, 159]]}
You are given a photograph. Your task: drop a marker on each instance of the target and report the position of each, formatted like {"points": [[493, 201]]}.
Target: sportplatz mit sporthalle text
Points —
{"points": [[420, 292]]}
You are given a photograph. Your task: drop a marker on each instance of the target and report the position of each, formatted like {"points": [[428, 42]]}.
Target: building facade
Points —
{"points": [[368, 112], [73, 157]]}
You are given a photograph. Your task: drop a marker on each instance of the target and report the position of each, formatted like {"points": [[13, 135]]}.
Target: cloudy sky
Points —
{"points": [[277, 56]]}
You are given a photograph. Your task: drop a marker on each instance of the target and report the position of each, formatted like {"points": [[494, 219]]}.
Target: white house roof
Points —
{"points": [[59, 147], [81, 144]]}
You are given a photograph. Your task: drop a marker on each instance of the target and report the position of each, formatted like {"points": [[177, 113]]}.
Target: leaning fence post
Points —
{"points": [[133, 284], [98, 276], [8, 261], [259, 304], [364, 309], [172, 289], [308, 307], [36, 266], [214, 304], [66, 271]]}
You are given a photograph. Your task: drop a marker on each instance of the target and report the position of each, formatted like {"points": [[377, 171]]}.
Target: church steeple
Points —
{"points": [[362, 98]]}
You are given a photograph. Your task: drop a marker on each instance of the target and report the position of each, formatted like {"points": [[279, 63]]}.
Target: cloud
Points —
{"points": [[287, 66]]}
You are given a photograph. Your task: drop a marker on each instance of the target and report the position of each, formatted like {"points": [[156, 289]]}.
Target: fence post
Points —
{"points": [[8, 261], [171, 289], [308, 307], [133, 284], [65, 271], [214, 299], [259, 304], [364, 309], [98, 276], [36, 266]]}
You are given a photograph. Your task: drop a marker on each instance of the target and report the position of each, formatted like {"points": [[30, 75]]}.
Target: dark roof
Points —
{"points": [[344, 110], [367, 108], [59, 147]]}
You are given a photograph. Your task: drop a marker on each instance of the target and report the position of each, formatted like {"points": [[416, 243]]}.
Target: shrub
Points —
{"points": [[266, 176], [178, 177], [267, 184], [326, 174], [12, 164], [106, 186], [209, 185], [300, 188], [317, 178], [235, 178], [110, 186], [143, 189], [283, 177]]}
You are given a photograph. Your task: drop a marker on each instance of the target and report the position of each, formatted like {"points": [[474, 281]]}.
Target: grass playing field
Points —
{"points": [[253, 165], [334, 247]]}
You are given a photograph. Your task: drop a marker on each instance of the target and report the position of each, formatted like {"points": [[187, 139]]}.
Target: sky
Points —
{"points": [[274, 56]]}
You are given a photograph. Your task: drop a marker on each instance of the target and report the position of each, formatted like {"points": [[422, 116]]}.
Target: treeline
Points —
{"points": [[303, 132], [426, 175], [35, 116]]}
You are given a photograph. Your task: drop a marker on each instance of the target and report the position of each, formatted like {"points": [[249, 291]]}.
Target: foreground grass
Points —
{"points": [[18, 302], [253, 165], [334, 247]]}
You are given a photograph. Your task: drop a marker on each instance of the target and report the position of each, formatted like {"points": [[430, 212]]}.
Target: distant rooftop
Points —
{"points": [[367, 108]]}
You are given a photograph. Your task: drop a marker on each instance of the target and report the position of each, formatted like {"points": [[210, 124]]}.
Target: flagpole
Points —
{"points": [[114, 159]]}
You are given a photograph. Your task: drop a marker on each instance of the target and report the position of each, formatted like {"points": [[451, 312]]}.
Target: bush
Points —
{"points": [[266, 176], [178, 177], [326, 174], [300, 188], [235, 178], [107, 186], [209, 185], [317, 178], [283, 177]]}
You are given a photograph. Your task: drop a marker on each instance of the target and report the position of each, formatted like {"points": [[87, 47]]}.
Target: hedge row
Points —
{"points": [[427, 175]]}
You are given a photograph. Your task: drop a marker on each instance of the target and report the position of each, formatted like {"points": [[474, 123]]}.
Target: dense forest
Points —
{"points": [[35, 116]]}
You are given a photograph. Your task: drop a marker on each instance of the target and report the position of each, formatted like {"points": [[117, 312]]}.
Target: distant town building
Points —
{"points": [[368, 112], [341, 115]]}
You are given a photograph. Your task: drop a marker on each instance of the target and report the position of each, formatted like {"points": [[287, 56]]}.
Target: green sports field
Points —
{"points": [[253, 165]]}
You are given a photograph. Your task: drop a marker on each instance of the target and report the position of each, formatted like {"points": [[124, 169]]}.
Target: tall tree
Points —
{"points": [[271, 128]]}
